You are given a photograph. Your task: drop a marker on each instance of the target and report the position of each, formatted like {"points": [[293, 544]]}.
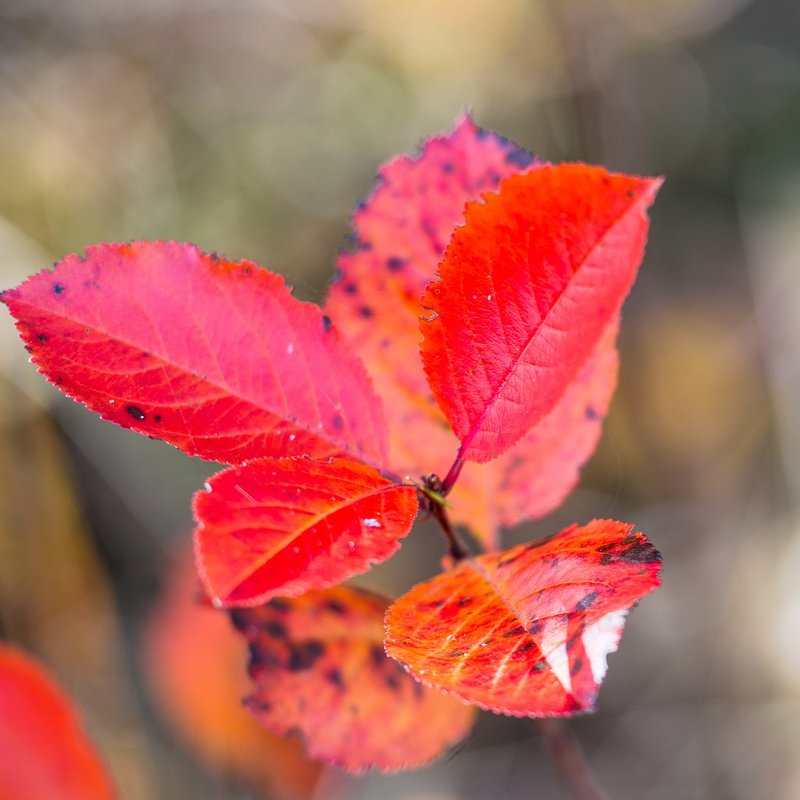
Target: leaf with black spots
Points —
{"points": [[215, 357], [526, 631], [319, 670]]}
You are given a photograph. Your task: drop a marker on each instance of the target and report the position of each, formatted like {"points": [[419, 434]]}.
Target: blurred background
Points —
{"points": [[252, 127]]}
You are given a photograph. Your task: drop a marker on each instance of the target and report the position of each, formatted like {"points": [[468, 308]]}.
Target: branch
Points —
{"points": [[570, 760]]}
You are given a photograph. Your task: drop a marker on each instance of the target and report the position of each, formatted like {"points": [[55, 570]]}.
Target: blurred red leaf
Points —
{"points": [[528, 286], [283, 526], [401, 231], [213, 356], [186, 637], [319, 670], [44, 751], [526, 632]]}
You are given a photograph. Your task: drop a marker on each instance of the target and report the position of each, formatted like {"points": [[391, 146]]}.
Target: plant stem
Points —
{"points": [[570, 760], [452, 475], [456, 549]]}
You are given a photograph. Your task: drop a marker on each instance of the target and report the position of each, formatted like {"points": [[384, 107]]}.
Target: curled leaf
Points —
{"points": [[526, 631]]}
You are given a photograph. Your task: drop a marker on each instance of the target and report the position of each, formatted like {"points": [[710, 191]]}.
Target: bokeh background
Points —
{"points": [[252, 127]]}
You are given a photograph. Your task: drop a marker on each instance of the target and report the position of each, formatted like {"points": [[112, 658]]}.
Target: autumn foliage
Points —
{"points": [[460, 367]]}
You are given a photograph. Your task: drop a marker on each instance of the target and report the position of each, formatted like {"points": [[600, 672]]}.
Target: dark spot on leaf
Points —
{"points": [[419, 690], [535, 628], [327, 322], [385, 344], [392, 680], [281, 606], [607, 559], [257, 704], [157, 417], [395, 264], [481, 133], [366, 312], [338, 422], [574, 638], [630, 194], [519, 158], [336, 607], [304, 656], [350, 288], [59, 379], [28, 348], [582, 605], [136, 413], [590, 413], [58, 288], [518, 631], [334, 677], [465, 601], [246, 270], [576, 666], [525, 647], [447, 166], [275, 629], [639, 553], [378, 656], [539, 666], [41, 337]]}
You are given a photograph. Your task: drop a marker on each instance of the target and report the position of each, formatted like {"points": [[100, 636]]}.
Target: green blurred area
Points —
{"points": [[252, 128]]}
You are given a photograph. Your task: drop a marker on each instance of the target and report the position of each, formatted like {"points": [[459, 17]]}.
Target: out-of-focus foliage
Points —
{"points": [[252, 127]]}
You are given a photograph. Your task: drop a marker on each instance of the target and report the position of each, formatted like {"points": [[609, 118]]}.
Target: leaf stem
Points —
{"points": [[452, 475], [456, 549], [570, 760], [431, 494]]}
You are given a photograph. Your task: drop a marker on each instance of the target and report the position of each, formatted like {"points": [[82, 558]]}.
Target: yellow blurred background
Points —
{"points": [[252, 127]]}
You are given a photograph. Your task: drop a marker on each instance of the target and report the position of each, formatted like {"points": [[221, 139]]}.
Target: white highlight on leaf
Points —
{"points": [[371, 523], [554, 649], [601, 638]]}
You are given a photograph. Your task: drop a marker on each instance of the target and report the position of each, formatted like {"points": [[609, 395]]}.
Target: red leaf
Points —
{"points": [[213, 356], [537, 473], [319, 669], [44, 751], [527, 288], [402, 231], [279, 527], [526, 632]]}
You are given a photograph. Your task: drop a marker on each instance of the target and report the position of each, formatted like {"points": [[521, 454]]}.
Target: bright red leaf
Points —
{"points": [[538, 472], [527, 288], [526, 632], [283, 526], [213, 356], [44, 751], [401, 232], [319, 669]]}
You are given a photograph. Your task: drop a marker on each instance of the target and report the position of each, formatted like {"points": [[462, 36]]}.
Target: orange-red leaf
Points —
{"points": [[196, 668], [213, 356], [527, 287], [281, 526], [402, 230], [538, 472], [319, 669], [44, 751], [526, 632]]}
